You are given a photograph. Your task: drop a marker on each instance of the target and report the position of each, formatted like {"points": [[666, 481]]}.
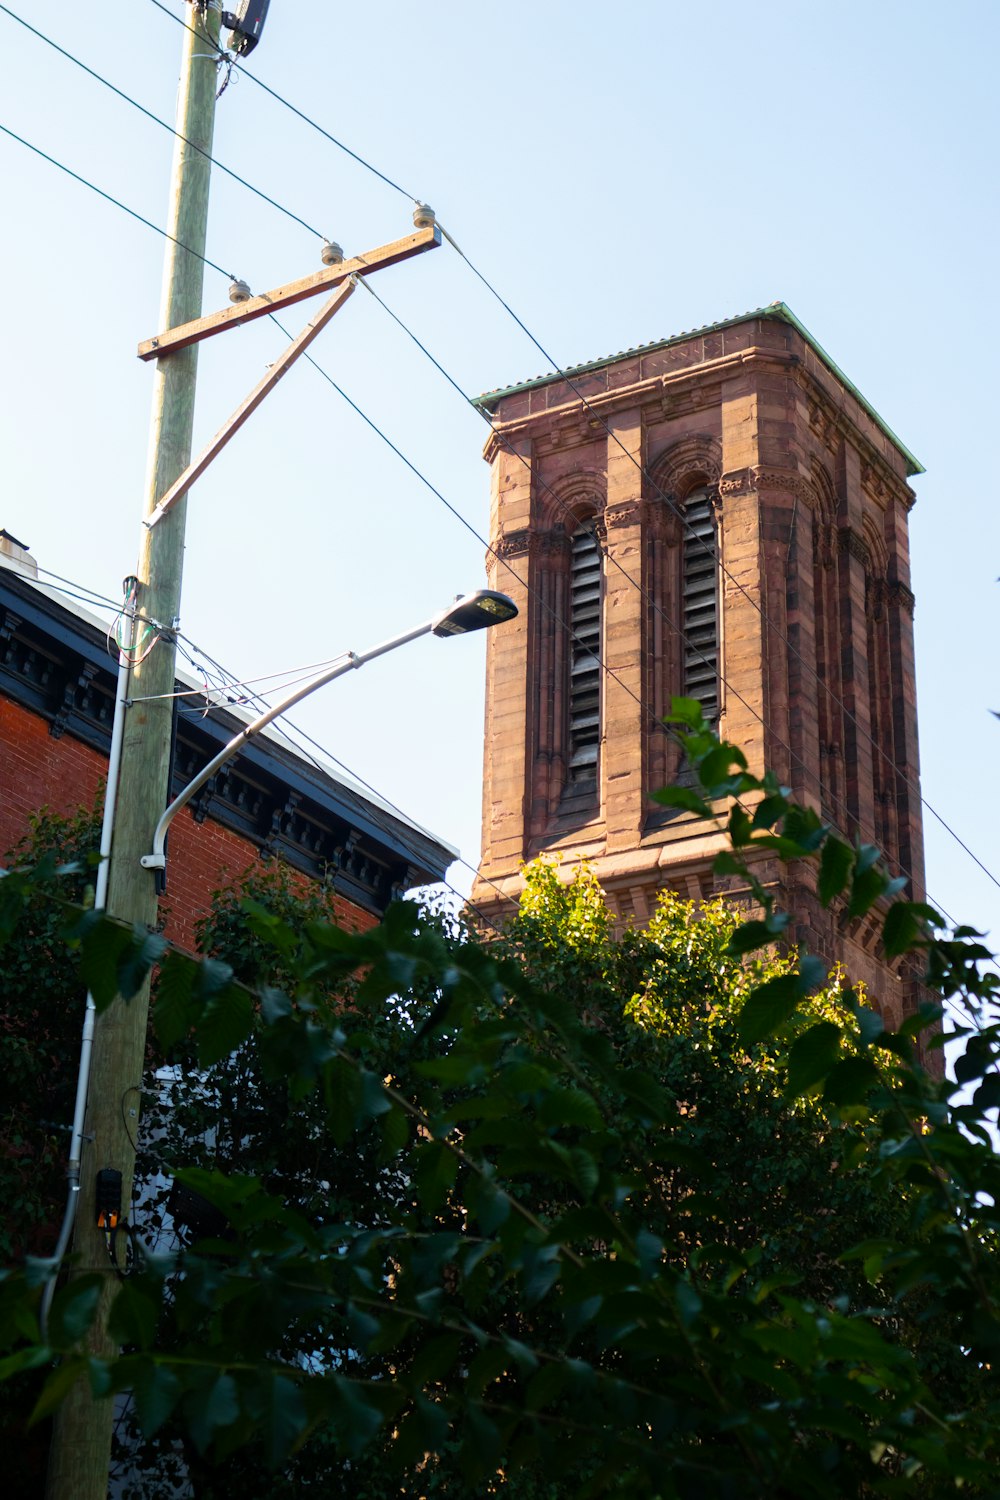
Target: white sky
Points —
{"points": [[620, 175]]}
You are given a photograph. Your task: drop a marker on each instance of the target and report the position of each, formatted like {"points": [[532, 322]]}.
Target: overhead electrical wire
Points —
{"points": [[245, 73], [292, 734], [562, 374], [290, 677], [532, 594], [671, 624], [911, 784], [502, 561], [164, 124], [413, 468], [423, 348], [132, 213], [500, 436]]}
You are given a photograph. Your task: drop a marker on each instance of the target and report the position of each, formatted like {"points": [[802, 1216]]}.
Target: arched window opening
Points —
{"points": [[585, 671], [700, 603]]}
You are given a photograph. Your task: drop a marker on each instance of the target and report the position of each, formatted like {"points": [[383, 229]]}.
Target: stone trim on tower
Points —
{"points": [[798, 638]]}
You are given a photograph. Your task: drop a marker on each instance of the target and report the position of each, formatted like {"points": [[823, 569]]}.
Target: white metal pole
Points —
{"points": [[100, 901]]}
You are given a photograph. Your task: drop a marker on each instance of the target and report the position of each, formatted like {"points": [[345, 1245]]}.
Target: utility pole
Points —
{"points": [[81, 1444]]}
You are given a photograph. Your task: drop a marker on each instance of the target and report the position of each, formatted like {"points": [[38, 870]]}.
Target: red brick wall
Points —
{"points": [[37, 770]]}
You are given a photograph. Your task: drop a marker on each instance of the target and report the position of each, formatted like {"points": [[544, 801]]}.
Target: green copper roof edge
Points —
{"points": [[779, 310], [782, 311]]}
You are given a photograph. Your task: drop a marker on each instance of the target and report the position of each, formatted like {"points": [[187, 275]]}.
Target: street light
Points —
{"points": [[478, 611]]}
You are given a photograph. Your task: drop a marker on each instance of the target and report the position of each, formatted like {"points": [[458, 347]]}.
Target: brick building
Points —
{"points": [[721, 515], [57, 686]]}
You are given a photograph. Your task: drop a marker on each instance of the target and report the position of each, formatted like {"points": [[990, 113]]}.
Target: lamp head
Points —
{"points": [[478, 611]]}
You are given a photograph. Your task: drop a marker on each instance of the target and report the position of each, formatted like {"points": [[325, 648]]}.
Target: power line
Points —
{"points": [[231, 276], [531, 593], [227, 681], [562, 374], [231, 62], [70, 57], [131, 212], [559, 371], [563, 624], [85, 182], [282, 729], [897, 771], [78, 591]]}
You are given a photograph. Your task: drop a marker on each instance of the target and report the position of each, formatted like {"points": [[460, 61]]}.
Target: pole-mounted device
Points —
{"points": [[245, 22]]}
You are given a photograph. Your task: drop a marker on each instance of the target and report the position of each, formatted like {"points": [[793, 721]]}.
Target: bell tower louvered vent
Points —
{"points": [[585, 672], [700, 610]]}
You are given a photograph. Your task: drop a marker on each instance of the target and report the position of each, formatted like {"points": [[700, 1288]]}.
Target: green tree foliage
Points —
{"points": [[656, 1215], [41, 1016], [40, 1022]]}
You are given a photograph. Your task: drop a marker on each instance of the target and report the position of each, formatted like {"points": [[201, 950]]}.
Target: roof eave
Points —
{"points": [[490, 400]]}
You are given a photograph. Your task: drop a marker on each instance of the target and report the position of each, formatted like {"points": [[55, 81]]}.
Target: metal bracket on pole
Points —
{"points": [[246, 408]]}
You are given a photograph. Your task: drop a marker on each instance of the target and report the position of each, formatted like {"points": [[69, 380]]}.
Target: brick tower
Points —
{"points": [[723, 515]]}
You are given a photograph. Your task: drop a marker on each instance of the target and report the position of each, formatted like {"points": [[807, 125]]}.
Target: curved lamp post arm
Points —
{"points": [[349, 662], [469, 612]]}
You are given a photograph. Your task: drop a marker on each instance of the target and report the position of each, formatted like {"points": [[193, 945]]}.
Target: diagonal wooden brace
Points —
{"points": [[246, 408], [293, 291]]}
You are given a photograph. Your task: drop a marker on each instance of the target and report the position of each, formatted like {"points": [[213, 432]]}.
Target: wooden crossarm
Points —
{"points": [[293, 291]]}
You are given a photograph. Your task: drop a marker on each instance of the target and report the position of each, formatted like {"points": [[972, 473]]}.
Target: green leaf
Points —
{"points": [[435, 1174], [835, 864], [584, 1170], [24, 1359], [374, 1101], [74, 1309], [715, 768], [546, 1386], [285, 1419], [526, 1359], [686, 711], [103, 943], [343, 1094], [225, 1022], [689, 1303], [358, 1418], [683, 797], [211, 1404], [395, 1130], [487, 1366], [274, 1005], [133, 1317], [489, 1204], [769, 1006], [136, 961], [175, 1008], [57, 1388], [866, 888], [156, 1391], [570, 1107], [769, 810], [905, 927], [812, 1056], [812, 972], [987, 1095], [757, 934], [870, 1024], [435, 1358], [851, 1081]]}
